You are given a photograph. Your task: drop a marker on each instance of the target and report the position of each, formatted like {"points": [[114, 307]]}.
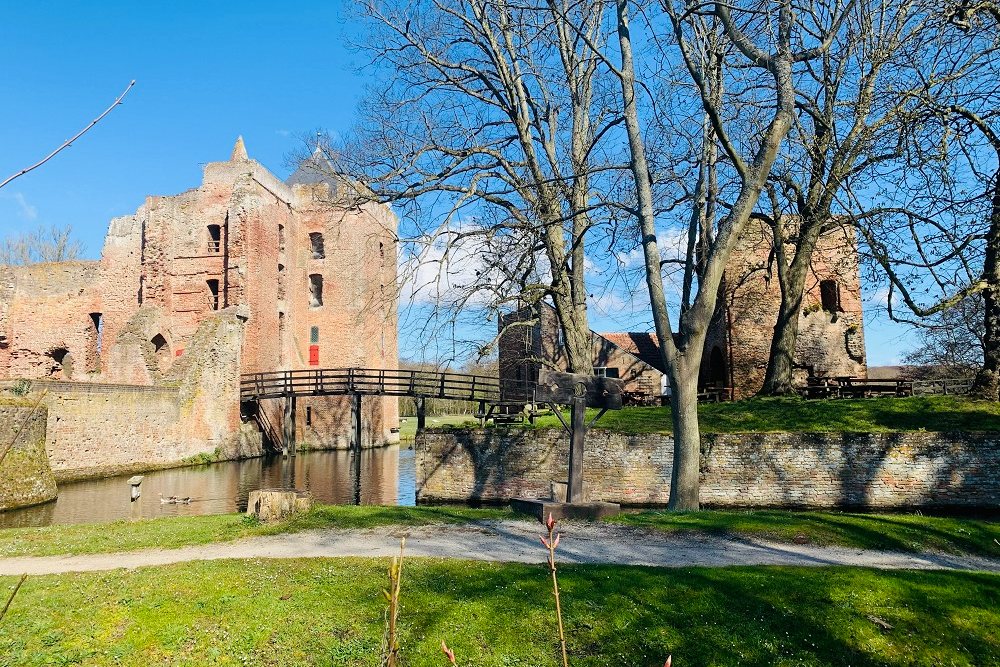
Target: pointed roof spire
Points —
{"points": [[239, 151]]}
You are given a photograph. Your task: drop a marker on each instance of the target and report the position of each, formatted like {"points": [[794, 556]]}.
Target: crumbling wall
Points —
{"points": [[48, 326], [25, 476]]}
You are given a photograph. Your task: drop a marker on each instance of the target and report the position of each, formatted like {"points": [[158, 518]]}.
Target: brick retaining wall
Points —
{"points": [[877, 470]]}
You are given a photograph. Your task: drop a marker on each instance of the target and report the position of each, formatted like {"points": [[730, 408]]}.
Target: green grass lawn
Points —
{"points": [[329, 612], [172, 532], [898, 532], [408, 425], [869, 415], [889, 532]]}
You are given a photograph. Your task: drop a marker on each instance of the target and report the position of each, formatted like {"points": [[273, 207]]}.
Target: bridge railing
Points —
{"points": [[377, 381]]}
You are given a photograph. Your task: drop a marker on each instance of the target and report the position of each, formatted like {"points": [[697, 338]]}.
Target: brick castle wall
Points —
{"points": [[875, 470]]}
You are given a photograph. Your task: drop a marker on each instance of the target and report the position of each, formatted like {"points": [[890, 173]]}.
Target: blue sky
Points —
{"points": [[205, 72]]}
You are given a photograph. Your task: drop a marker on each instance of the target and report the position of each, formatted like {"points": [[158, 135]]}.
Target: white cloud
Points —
{"points": [[25, 209]]}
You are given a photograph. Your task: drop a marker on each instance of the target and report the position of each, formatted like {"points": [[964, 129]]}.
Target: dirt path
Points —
{"points": [[514, 541]]}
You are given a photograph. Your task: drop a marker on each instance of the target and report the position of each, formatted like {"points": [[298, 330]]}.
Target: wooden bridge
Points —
{"points": [[495, 397]]}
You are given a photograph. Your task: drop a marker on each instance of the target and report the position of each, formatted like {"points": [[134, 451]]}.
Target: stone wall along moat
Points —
{"points": [[822, 470]]}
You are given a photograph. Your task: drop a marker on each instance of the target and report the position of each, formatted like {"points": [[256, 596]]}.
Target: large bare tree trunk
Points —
{"points": [[987, 383], [685, 476], [792, 282]]}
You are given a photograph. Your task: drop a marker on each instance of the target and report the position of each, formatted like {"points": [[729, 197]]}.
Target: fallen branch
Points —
{"points": [[17, 587], [69, 142]]}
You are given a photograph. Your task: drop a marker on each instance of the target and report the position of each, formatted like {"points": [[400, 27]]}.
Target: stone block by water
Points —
{"points": [[277, 504]]}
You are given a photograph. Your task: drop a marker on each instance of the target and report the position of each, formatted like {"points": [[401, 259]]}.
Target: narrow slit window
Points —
{"points": [[281, 238], [281, 337], [213, 293], [314, 335], [281, 282], [316, 242], [309, 416], [98, 321], [829, 294], [214, 238], [315, 290]]}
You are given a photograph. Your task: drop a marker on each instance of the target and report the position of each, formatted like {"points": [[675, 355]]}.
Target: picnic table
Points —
{"points": [[847, 386]]}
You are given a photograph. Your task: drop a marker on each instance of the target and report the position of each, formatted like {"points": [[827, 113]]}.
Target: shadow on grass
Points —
{"points": [[906, 533], [322, 611]]}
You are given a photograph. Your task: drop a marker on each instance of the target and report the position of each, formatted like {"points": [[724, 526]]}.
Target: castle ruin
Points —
{"points": [[142, 350]]}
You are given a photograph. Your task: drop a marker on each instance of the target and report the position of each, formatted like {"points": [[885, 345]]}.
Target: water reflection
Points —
{"points": [[387, 477]]}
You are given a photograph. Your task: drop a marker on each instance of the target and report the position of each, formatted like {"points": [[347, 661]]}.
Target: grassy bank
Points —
{"points": [[408, 425], [887, 532], [897, 532], [329, 612], [172, 532], [870, 415]]}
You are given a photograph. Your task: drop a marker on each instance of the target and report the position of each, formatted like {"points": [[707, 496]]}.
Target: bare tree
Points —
{"points": [[937, 238], [848, 106], [487, 138], [764, 43], [951, 342], [45, 244]]}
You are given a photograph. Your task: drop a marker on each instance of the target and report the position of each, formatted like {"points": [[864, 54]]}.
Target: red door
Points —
{"points": [[314, 355]]}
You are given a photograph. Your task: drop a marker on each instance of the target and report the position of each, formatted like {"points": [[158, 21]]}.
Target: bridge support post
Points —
{"points": [[356, 423], [574, 486], [421, 414], [288, 427]]}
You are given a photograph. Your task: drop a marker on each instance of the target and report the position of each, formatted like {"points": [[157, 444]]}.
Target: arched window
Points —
{"points": [[161, 350], [214, 238], [213, 293], [316, 241], [62, 364]]}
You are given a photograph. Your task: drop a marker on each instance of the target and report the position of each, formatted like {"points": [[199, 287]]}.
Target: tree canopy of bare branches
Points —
{"points": [[44, 244], [487, 137]]}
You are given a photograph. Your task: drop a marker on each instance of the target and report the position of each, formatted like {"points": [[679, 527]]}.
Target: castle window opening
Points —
{"points": [[161, 350], [314, 335], [62, 364], [214, 238], [281, 238], [316, 241], [281, 337], [309, 416], [98, 332], [606, 371], [829, 294], [315, 290], [213, 289]]}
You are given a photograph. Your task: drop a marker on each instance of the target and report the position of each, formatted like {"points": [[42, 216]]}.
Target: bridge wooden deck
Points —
{"points": [[382, 382], [495, 397]]}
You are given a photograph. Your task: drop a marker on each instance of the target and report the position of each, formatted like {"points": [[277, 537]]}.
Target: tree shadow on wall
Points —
{"points": [[506, 463]]}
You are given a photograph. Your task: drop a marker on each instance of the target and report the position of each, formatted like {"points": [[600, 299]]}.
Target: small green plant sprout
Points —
{"points": [[551, 543], [390, 638], [448, 653], [20, 387]]}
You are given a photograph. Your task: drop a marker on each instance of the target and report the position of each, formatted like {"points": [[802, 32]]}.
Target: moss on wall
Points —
{"points": [[25, 475]]}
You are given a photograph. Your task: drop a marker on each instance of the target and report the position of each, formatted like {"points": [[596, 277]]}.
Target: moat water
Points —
{"points": [[387, 477]]}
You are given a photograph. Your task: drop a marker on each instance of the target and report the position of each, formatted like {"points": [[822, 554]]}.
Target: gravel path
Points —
{"points": [[512, 541]]}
